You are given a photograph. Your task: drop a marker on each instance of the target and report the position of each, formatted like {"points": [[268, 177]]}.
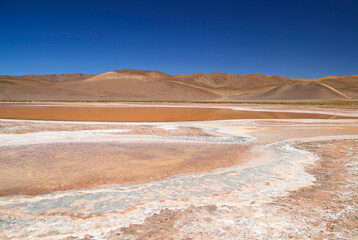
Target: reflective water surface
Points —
{"points": [[142, 114]]}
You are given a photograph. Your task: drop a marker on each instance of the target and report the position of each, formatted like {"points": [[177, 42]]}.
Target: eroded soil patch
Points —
{"points": [[325, 210], [43, 168]]}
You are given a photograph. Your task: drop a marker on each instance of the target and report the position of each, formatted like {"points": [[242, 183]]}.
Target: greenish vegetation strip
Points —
{"points": [[296, 102]]}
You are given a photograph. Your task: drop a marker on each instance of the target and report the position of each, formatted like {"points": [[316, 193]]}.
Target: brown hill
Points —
{"points": [[52, 77], [130, 74], [137, 85], [231, 84], [27, 89], [296, 91], [345, 84], [140, 85]]}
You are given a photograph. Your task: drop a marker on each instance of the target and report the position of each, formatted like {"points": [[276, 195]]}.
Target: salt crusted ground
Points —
{"points": [[298, 179]]}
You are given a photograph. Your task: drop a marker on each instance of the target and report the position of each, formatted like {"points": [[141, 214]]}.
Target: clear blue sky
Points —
{"points": [[302, 38]]}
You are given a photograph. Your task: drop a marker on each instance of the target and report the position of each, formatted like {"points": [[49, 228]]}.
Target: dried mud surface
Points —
{"points": [[232, 179], [325, 210], [45, 168]]}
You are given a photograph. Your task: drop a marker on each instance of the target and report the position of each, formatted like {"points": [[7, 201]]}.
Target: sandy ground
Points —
{"points": [[229, 179]]}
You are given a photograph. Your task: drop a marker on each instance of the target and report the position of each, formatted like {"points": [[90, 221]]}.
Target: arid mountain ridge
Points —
{"points": [[52, 77], [143, 85]]}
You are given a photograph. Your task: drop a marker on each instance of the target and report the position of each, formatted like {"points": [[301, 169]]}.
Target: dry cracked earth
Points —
{"points": [[225, 179]]}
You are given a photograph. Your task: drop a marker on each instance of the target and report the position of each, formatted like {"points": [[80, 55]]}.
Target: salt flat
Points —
{"points": [[229, 179]]}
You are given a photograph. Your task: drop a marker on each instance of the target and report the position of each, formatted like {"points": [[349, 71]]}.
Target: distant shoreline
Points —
{"points": [[352, 102]]}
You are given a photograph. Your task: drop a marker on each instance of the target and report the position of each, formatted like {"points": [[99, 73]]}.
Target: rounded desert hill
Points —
{"points": [[295, 91], [345, 84], [237, 82], [52, 78], [141, 85], [131, 74], [29, 89], [138, 85]]}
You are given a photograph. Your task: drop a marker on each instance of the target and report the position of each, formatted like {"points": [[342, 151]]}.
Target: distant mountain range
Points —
{"points": [[137, 85]]}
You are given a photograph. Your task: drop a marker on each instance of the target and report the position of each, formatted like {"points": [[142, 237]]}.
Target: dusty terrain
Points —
{"points": [[225, 179], [139, 85]]}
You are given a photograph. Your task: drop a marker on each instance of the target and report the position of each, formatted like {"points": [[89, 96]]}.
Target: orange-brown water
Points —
{"points": [[142, 114], [43, 168]]}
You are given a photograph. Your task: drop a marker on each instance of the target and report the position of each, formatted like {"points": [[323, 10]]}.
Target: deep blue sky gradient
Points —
{"points": [[302, 38]]}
